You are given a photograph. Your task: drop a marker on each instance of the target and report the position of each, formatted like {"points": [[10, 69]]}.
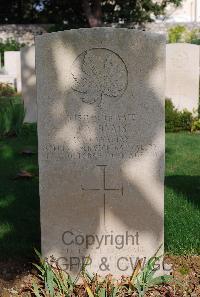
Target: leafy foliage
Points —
{"points": [[9, 45], [145, 278], [180, 33], [12, 115], [78, 13], [196, 41], [175, 34], [195, 125], [56, 281], [176, 120], [6, 90]]}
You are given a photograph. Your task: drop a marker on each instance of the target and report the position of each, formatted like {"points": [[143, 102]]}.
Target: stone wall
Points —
{"points": [[22, 33], [163, 27], [158, 27], [25, 33]]}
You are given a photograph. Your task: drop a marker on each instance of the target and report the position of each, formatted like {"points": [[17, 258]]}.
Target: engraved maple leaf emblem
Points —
{"points": [[98, 73]]}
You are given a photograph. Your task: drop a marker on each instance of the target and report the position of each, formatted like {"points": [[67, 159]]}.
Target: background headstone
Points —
{"points": [[12, 66], [182, 75], [29, 94], [100, 102]]}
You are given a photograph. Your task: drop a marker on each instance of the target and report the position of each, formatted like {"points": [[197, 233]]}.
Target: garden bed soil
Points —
{"points": [[16, 276]]}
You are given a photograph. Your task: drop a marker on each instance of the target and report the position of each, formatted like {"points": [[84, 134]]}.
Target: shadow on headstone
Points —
{"points": [[101, 146]]}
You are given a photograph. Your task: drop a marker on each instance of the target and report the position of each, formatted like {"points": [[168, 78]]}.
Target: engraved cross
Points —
{"points": [[105, 189]]}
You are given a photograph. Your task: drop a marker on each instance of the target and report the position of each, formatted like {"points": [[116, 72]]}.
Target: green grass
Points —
{"points": [[4, 100], [182, 193], [12, 115], [19, 198]]}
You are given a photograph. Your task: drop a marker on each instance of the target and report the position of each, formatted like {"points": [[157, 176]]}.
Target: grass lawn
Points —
{"points": [[182, 193], [19, 198]]}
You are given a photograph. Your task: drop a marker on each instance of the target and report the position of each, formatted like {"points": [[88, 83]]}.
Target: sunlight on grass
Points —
{"points": [[182, 192], [19, 197]]}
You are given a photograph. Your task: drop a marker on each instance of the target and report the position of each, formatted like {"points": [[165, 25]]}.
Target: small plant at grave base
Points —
{"points": [[6, 90], [184, 270], [144, 278], [96, 286], [54, 282]]}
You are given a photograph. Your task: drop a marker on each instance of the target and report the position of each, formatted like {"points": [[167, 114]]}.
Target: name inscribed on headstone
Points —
{"points": [[112, 137]]}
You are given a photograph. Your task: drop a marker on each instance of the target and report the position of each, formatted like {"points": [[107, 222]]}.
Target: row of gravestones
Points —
{"points": [[182, 78], [100, 114]]}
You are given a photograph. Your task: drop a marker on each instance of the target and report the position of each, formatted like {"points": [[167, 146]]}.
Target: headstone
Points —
{"points": [[182, 75], [12, 65], [100, 101], [29, 94]]}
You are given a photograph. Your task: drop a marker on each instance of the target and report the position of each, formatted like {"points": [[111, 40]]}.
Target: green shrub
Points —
{"points": [[176, 120], [175, 34], [12, 115], [6, 90], [182, 34], [191, 36], [196, 41], [170, 116], [9, 45], [185, 120], [195, 125]]}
